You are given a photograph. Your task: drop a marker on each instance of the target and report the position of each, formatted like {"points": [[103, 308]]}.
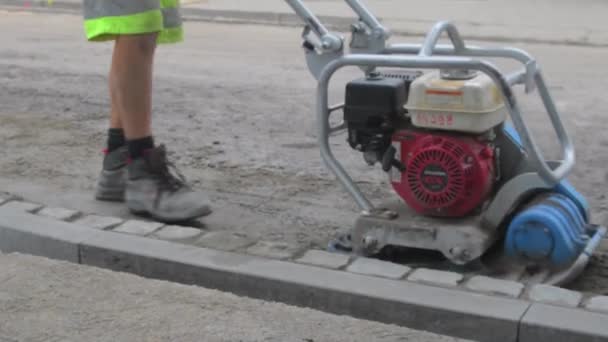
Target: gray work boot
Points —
{"points": [[154, 191], [113, 178]]}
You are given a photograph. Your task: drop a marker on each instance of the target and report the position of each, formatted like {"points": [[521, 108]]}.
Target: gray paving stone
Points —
{"points": [[225, 241], [535, 278], [435, 277], [495, 286], [61, 214], [136, 227], [22, 206], [324, 259], [513, 274], [599, 303], [555, 295], [378, 268], [273, 250], [99, 222], [178, 233]]}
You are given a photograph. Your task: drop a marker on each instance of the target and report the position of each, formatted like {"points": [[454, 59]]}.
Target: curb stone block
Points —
{"points": [[177, 233], [22, 232], [599, 303], [61, 214], [136, 227], [555, 295], [440, 310], [99, 222], [435, 277], [489, 285], [378, 268], [22, 206], [273, 250], [324, 259], [560, 324], [225, 241]]}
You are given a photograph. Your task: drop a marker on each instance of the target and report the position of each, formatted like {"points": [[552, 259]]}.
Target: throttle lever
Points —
{"points": [[389, 161]]}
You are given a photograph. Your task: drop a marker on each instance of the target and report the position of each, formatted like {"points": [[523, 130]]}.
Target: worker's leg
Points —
{"points": [[116, 134], [151, 186], [148, 184], [130, 23], [115, 122], [131, 84]]}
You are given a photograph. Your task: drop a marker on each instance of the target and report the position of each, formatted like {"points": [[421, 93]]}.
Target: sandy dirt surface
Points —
{"points": [[235, 106], [44, 300]]}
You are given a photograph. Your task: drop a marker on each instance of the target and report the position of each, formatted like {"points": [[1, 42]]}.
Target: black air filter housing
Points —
{"points": [[371, 111], [371, 101]]}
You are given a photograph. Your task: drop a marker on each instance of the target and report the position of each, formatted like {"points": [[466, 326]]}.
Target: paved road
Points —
{"points": [[44, 300], [555, 21]]}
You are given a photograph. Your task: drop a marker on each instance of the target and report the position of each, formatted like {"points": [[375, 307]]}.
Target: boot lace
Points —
{"points": [[170, 177]]}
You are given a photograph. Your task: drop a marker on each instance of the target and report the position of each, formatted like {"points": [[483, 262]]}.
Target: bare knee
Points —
{"points": [[144, 44]]}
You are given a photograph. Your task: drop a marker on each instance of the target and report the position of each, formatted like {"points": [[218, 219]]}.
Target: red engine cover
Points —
{"points": [[445, 175]]}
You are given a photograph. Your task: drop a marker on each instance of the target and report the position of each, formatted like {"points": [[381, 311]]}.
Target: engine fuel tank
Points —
{"points": [[471, 105]]}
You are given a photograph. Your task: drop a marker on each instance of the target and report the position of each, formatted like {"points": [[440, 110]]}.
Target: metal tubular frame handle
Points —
{"points": [[473, 51], [329, 41], [433, 37], [366, 16]]}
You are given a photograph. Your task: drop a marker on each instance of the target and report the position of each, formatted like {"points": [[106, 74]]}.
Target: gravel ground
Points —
{"points": [[234, 103]]}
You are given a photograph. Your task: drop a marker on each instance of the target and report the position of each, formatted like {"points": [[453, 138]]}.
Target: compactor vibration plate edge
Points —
{"points": [[459, 240]]}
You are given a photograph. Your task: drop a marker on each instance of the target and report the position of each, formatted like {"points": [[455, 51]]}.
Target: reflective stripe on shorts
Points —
{"points": [[171, 17], [94, 9]]}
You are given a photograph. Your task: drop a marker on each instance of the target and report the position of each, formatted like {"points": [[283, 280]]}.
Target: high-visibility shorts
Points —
{"points": [[106, 19]]}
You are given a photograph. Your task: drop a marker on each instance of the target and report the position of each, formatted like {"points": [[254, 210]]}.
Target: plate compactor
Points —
{"points": [[435, 118]]}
